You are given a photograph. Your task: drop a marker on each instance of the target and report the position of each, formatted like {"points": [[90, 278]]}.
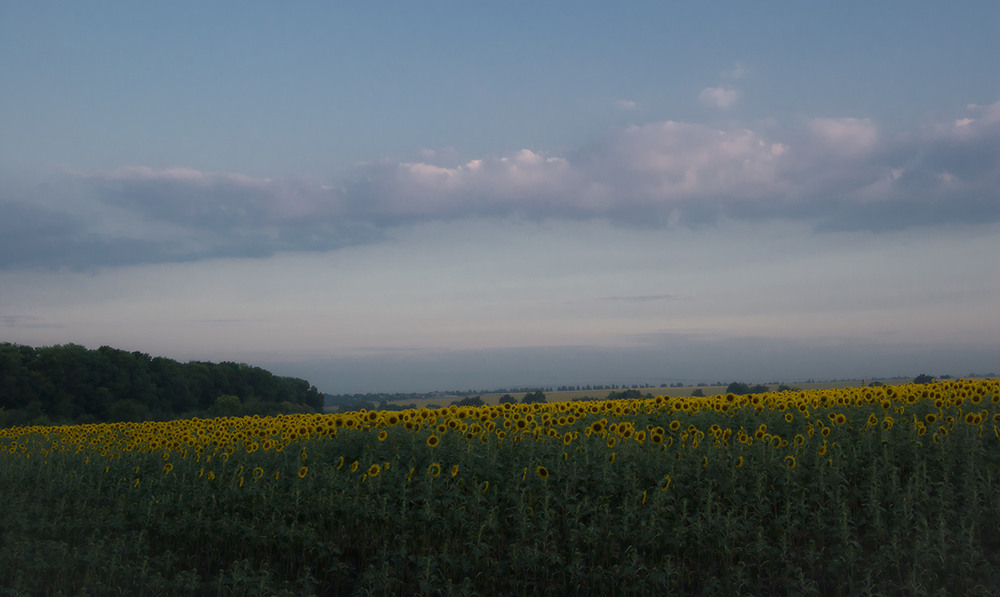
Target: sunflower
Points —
{"points": [[454, 470], [382, 435], [666, 483], [790, 461], [167, 468], [542, 472], [434, 469], [824, 431], [432, 440], [675, 425], [374, 470], [354, 466], [258, 472], [303, 471]]}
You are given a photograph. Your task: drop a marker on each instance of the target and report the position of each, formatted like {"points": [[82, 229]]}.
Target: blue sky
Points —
{"points": [[415, 196]]}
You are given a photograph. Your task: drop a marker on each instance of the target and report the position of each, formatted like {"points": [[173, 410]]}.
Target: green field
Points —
{"points": [[708, 390], [890, 490]]}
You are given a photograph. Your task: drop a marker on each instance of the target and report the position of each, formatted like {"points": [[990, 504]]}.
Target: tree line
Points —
{"points": [[72, 384]]}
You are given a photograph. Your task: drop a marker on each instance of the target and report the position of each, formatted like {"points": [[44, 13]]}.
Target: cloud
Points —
{"points": [[26, 321], [643, 298], [738, 71], [625, 104], [718, 97], [837, 172], [205, 199], [846, 136]]}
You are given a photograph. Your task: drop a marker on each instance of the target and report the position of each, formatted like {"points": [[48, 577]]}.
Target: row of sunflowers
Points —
{"points": [[617, 495]]}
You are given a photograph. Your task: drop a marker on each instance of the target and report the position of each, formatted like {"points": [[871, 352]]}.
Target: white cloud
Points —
{"points": [[988, 114], [672, 161], [625, 104], [846, 136], [718, 97], [836, 172], [738, 71]]}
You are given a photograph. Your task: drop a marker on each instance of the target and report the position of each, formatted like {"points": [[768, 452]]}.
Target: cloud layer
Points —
{"points": [[718, 97], [839, 173]]}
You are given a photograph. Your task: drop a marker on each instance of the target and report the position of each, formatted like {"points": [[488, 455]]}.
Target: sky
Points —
{"points": [[418, 196]]}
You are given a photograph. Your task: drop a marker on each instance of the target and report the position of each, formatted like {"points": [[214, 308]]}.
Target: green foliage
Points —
{"points": [[740, 388], [533, 397], [226, 405], [630, 394], [469, 401], [71, 384]]}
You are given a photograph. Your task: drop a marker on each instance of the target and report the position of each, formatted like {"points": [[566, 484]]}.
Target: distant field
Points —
{"points": [[494, 398]]}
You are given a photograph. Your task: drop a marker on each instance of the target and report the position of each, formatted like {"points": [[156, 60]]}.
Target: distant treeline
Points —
{"points": [[72, 384]]}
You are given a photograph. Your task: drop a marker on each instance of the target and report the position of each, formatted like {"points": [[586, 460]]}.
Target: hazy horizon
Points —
{"points": [[415, 197]]}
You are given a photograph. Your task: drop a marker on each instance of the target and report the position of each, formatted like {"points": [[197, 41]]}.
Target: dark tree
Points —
{"points": [[71, 384], [536, 396], [469, 401], [738, 388]]}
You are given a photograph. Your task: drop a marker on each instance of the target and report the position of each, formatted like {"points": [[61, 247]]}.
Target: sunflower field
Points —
{"points": [[885, 490]]}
